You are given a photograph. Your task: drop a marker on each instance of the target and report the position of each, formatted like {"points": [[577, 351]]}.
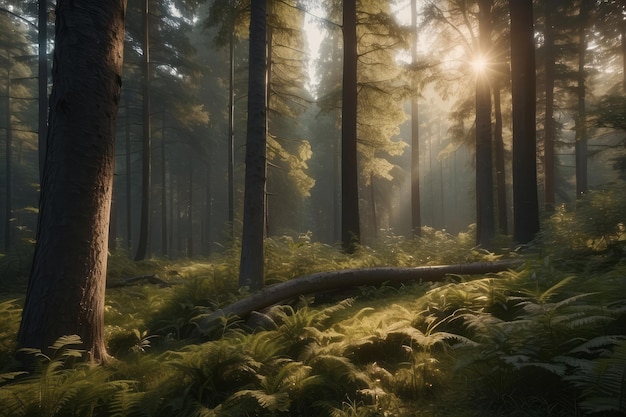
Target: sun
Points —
{"points": [[479, 63]]}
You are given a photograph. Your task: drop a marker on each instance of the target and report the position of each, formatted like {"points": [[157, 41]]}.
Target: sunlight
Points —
{"points": [[479, 64], [314, 35]]}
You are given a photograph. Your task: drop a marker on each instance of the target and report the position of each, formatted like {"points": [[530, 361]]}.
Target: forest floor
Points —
{"points": [[545, 338]]}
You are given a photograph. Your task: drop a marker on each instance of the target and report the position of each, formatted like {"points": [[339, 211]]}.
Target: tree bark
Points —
{"points": [[65, 293], [348, 278], [525, 202], [251, 269], [350, 227], [503, 218]]}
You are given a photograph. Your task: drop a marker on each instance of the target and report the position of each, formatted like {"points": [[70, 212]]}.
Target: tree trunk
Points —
{"points": [[485, 222], [525, 202], [581, 118], [503, 221], [8, 181], [42, 41], [416, 210], [146, 157], [231, 132], [343, 279], [549, 122], [190, 208], [251, 266], [65, 293], [129, 199], [350, 227], [164, 240]]}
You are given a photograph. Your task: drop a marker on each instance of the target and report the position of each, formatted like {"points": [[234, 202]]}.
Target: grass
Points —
{"points": [[470, 346]]}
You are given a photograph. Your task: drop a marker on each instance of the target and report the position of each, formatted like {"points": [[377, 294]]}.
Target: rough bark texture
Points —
{"points": [[251, 265], [525, 201], [349, 278], [350, 227], [66, 288]]}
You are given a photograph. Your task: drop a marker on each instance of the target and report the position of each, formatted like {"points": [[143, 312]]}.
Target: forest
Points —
{"points": [[313, 208]]}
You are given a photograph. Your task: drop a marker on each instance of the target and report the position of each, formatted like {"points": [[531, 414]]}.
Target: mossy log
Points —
{"points": [[347, 278]]}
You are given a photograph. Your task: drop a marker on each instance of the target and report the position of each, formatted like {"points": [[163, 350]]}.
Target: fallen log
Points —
{"points": [[347, 278], [151, 278]]}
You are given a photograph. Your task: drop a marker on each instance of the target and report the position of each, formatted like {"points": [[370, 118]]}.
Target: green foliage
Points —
{"points": [[10, 313], [465, 345], [56, 387], [596, 226]]}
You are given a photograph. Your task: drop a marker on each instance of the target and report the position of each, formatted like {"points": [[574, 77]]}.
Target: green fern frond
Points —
{"points": [[598, 344], [545, 296]]}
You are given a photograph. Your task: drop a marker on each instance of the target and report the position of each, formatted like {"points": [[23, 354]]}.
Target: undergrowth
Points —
{"points": [[546, 339]]}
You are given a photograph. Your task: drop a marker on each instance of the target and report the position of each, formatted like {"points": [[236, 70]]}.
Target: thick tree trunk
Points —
{"points": [[525, 202], [348, 278], [251, 266], [66, 288], [350, 227], [503, 218], [485, 221]]}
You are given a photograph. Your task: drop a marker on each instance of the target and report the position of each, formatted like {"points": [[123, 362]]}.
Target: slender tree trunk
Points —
{"points": [[231, 131], [129, 199], [623, 39], [374, 210], [164, 248], [416, 210], [503, 220], [65, 293], [146, 157], [581, 119], [190, 209], [525, 202], [485, 222], [208, 210], [42, 41], [549, 122], [251, 266], [350, 227], [8, 180]]}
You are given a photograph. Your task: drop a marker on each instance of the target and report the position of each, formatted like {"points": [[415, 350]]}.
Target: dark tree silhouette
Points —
{"points": [[65, 293], [350, 227], [251, 265], [525, 202], [485, 221]]}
